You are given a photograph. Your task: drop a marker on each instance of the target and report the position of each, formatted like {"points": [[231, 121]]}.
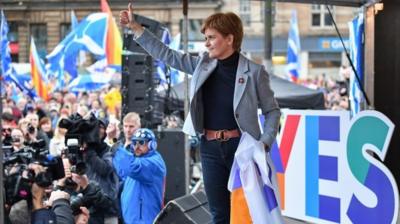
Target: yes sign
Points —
{"points": [[330, 168]]}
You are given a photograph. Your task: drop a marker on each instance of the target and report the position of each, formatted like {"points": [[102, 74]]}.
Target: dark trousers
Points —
{"points": [[216, 159]]}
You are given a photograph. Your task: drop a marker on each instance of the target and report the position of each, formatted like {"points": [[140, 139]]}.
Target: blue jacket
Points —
{"points": [[143, 187]]}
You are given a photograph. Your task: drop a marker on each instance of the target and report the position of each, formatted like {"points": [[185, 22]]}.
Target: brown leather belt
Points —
{"points": [[221, 135]]}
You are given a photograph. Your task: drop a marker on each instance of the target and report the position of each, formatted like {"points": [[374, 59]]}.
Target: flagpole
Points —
{"points": [[348, 58], [185, 35], [268, 36], [1, 124]]}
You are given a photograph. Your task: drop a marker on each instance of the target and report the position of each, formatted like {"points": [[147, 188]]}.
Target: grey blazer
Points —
{"points": [[252, 89]]}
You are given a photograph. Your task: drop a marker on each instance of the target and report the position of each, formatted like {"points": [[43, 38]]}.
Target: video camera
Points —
{"points": [[18, 179], [81, 133]]}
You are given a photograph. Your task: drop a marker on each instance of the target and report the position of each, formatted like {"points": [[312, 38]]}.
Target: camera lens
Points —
{"points": [[31, 129], [76, 201]]}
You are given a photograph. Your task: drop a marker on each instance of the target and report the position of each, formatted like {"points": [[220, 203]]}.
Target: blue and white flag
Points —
{"points": [[293, 62], [82, 54], [74, 20], [356, 54], [89, 82], [162, 69], [89, 35], [22, 80], [6, 67], [70, 61]]}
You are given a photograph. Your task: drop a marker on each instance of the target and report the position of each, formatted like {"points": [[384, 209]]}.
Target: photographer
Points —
{"points": [[84, 194], [17, 139], [97, 159], [33, 132], [7, 123], [59, 201], [31, 183]]}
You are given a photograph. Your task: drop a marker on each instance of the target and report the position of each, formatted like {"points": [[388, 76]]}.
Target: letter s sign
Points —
{"points": [[371, 131]]}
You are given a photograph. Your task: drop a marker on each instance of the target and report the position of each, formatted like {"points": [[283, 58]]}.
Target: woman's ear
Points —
{"points": [[230, 39]]}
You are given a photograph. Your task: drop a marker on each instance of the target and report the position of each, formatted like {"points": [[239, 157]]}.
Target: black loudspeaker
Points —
{"points": [[171, 145], [190, 209], [137, 88]]}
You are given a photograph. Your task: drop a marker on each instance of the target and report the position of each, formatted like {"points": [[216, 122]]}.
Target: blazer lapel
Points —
{"points": [[205, 71], [241, 80]]}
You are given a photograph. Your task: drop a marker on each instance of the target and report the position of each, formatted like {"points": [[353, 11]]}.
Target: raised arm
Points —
{"points": [[157, 49]]}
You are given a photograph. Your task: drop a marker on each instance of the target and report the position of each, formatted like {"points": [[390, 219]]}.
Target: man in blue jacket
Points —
{"points": [[144, 171]]}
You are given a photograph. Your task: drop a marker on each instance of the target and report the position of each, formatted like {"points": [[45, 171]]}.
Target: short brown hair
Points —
{"points": [[226, 23], [44, 120]]}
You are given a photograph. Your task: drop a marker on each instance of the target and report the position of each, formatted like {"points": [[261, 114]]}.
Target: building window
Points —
{"points": [[194, 29], [320, 16], [245, 12], [65, 28], [13, 38], [39, 34]]}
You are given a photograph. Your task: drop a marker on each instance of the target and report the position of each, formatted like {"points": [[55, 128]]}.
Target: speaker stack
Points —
{"points": [[138, 77], [190, 209], [171, 146]]}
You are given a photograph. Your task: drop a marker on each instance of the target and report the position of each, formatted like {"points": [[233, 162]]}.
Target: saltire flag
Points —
{"points": [[163, 70], [89, 35], [253, 185], [38, 72], [6, 67], [114, 40], [356, 28], [293, 63], [22, 81], [82, 54], [70, 61], [74, 20]]}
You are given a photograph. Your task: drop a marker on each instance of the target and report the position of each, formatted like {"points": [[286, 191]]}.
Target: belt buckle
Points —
{"points": [[220, 136]]}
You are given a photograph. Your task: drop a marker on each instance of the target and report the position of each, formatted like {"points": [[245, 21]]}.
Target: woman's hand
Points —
{"points": [[127, 19]]}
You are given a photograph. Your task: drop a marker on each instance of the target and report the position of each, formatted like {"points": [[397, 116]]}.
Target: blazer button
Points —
{"points": [[237, 116]]}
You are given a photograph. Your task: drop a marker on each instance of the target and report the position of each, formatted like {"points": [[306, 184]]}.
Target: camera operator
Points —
{"points": [[98, 158], [97, 166]]}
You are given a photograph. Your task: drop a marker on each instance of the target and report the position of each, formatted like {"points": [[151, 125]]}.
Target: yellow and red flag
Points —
{"points": [[37, 73], [114, 41]]}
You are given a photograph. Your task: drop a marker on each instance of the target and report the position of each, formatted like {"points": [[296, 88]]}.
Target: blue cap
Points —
{"points": [[143, 134]]}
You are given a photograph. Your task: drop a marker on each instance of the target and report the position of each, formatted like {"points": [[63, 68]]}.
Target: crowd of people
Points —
{"points": [[123, 176], [336, 92]]}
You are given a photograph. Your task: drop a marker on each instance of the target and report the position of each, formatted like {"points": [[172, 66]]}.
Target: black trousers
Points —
{"points": [[217, 159]]}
